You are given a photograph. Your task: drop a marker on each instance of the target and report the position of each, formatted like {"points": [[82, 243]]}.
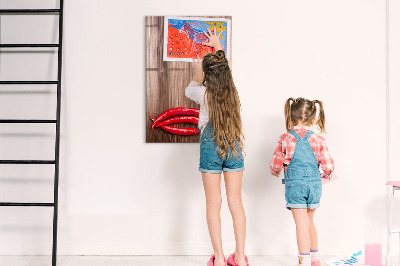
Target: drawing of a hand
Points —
{"points": [[213, 39]]}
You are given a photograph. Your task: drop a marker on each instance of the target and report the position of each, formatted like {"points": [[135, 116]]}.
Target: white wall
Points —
{"points": [[120, 195], [394, 111]]}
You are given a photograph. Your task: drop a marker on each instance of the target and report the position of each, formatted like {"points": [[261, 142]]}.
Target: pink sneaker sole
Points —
{"points": [[231, 260], [316, 263], [211, 261]]}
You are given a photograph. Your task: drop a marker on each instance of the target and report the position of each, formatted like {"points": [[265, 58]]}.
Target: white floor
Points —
{"points": [[144, 260], [136, 260]]}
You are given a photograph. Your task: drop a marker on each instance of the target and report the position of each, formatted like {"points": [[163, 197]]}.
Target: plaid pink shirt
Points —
{"points": [[287, 144]]}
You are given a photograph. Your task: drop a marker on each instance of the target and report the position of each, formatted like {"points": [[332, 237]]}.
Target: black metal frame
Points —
{"points": [[56, 160]]}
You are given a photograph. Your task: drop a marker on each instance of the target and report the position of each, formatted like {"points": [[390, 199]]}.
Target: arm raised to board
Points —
{"points": [[214, 42], [198, 76], [213, 39]]}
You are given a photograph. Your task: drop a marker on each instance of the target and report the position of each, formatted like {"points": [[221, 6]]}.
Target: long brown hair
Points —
{"points": [[223, 104], [303, 110]]}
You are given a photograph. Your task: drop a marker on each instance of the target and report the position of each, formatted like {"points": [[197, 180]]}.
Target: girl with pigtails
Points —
{"points": [[302, 154]]}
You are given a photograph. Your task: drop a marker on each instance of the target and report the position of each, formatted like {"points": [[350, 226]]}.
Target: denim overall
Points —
{"points": [[211, 162], [302, 181]]}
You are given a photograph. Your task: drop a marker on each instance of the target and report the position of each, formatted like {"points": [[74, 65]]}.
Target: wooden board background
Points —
{"points": [[166, 82]]}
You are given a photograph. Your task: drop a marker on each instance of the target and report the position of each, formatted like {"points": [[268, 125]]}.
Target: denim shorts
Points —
{"points": [[211, 161], [303, 193]]}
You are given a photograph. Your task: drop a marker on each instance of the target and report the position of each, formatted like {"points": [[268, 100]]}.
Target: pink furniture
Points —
{"points": [[394, 185]]}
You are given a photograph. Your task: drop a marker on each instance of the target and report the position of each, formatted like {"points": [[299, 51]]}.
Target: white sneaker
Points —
{"points": [[304, 260], [315, 259]]}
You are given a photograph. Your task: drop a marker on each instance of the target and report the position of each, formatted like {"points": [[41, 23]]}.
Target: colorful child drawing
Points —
{"points": [[183, 37]]}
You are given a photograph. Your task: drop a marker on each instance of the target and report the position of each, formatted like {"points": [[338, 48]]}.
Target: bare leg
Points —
{"points": [[212, 188], [302, 221], [313, 230], [233, 183]]}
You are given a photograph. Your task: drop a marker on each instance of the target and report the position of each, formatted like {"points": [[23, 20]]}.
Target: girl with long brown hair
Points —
{"points": [[221, 147], [302, 153]]}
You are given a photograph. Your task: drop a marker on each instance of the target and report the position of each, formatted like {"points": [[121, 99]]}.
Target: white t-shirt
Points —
{"points": [[195, 92]]}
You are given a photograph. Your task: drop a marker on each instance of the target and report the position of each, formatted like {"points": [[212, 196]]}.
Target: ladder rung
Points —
{"points": [[27, 161], [395, 231], [28, 11], [29, 82], [39, 45], [26, 121], [29, 204]]}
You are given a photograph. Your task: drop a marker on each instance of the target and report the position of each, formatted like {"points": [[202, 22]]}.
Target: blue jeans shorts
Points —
{"points": [[210, 160], [303, 193]]}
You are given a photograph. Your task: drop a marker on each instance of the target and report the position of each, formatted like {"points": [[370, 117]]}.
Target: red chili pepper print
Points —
{"points": [[175, 112], [179, 119], [181, 131], [177, 130]]}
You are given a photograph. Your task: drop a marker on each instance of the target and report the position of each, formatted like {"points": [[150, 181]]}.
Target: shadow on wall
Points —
{"points": [[263, 193], [375, 213], [375, 219], [184, 187]]}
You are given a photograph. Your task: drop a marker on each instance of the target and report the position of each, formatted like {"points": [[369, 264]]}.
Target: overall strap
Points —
{"points": [[294, 133], [308, 134]]}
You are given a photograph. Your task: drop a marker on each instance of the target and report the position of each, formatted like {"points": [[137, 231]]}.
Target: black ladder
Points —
{"points": [[57, 82]]}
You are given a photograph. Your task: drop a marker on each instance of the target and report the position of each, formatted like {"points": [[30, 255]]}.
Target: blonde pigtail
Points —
{"points": [[288, 114], [321, 116]]}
